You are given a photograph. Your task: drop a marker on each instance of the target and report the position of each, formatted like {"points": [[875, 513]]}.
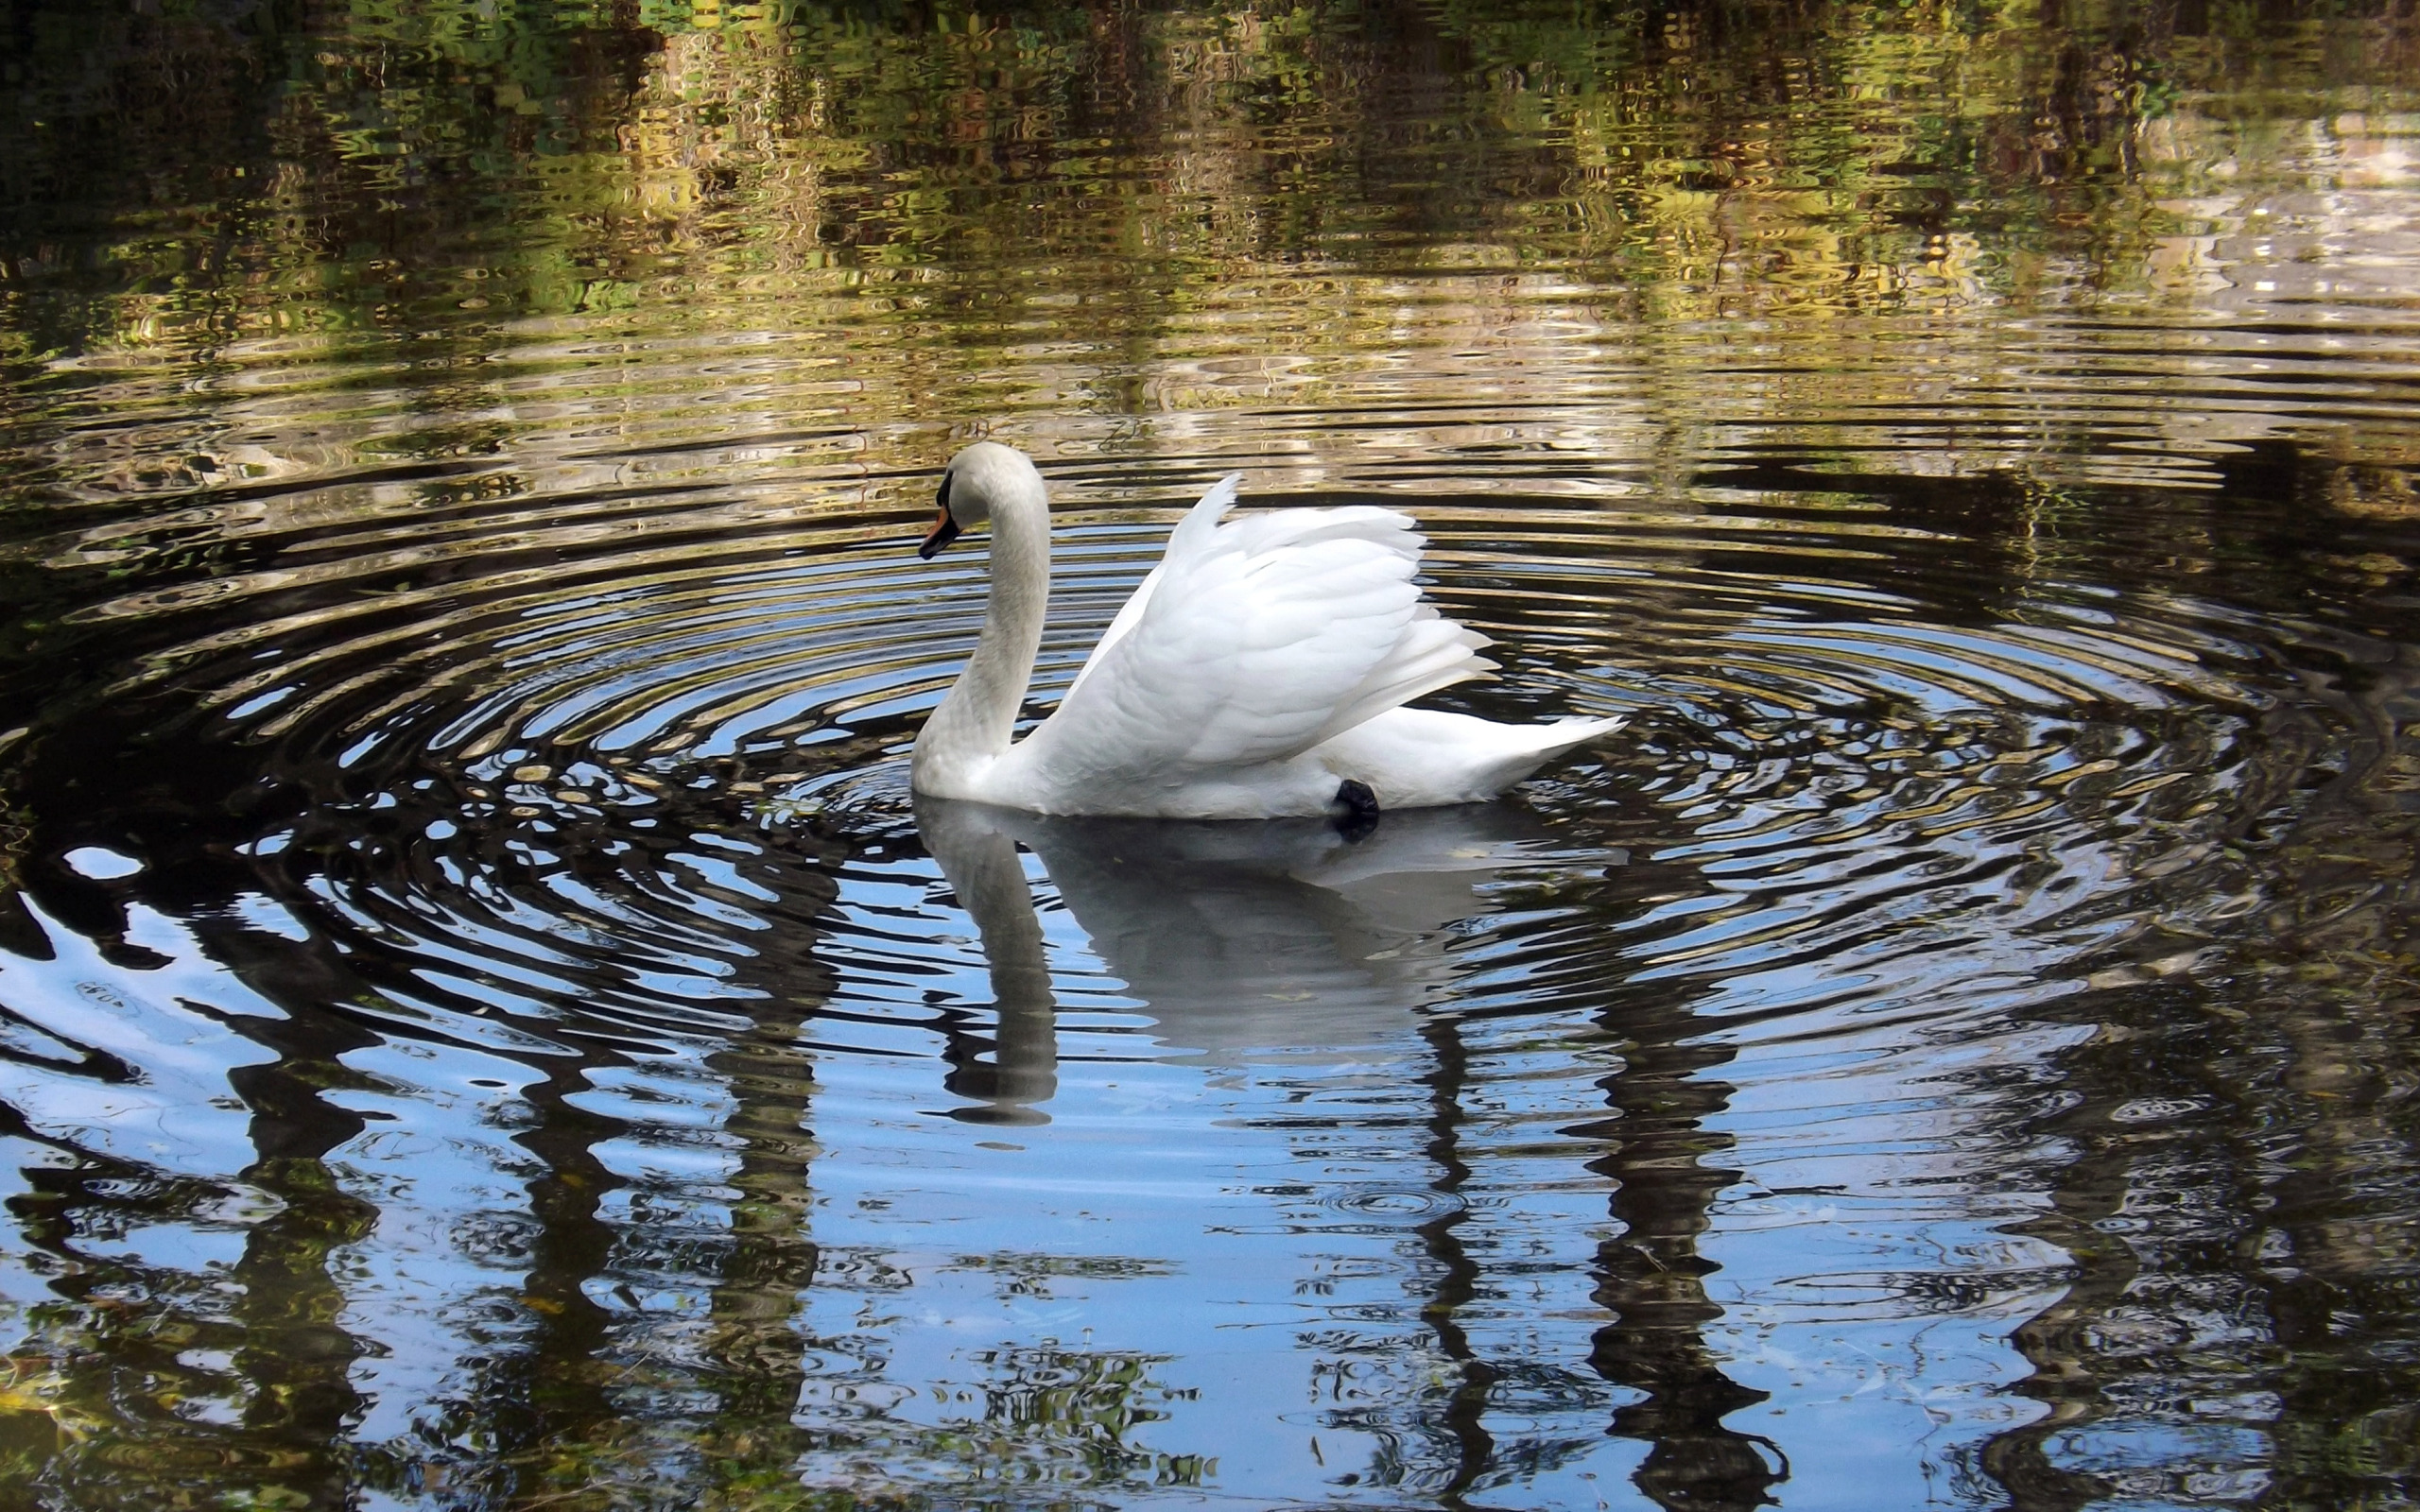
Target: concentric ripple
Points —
{"points": [[589, 790], [484, 1018], [550, 819]]}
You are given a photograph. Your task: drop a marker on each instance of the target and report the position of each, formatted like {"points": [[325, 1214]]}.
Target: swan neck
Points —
{"points": [[971, 726]]}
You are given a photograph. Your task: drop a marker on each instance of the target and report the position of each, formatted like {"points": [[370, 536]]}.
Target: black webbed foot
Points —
{"points": [[1355, 811]]}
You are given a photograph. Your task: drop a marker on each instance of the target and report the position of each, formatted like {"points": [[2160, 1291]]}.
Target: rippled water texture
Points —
{"points": [[484, 1025]]}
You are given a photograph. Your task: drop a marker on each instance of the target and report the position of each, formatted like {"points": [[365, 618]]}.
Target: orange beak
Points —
{"points": [[945, 531]]}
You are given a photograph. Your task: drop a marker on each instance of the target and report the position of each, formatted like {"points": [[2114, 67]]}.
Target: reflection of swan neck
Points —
{"points": [[970, 729], [981, 865]]}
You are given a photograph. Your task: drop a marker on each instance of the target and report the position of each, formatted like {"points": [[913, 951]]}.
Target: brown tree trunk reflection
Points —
{"points": [[1466, 1406], [1652, 1279], [754, 1344], [296, 1357]]}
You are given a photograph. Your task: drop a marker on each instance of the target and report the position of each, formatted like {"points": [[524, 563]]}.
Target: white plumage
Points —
{"points": [[1259, 668]]}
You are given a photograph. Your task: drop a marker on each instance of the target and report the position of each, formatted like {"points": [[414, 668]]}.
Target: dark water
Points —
{"points": [[483, 1024]]}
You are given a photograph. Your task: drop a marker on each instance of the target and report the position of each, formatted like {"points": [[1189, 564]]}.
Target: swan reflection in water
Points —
{"points": [[1236, 938], [1245, 940]]}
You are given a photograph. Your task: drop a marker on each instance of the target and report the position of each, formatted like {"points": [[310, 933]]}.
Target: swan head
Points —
{"points": [[977, 480]]}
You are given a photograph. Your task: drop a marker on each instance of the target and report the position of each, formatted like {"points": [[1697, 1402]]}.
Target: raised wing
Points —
{"points": [[1254, 640], [1221, 498]]}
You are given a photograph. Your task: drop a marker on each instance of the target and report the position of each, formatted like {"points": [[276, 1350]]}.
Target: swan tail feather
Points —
{"points": [[1412, 758], [1574, 730]]}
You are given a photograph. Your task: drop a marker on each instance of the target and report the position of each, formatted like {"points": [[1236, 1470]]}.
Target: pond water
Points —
{"points": [[484, 1024]]}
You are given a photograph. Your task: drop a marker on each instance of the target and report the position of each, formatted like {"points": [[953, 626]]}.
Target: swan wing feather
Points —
{"points": [[1213, 504], [1253, 642], [1433, 652]]}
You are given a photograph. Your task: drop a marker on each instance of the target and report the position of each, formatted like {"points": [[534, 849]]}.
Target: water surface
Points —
{"points": [[484, 1024]]}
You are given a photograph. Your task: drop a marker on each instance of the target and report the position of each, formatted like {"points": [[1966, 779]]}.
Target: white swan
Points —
{"points": [[1258, 672]]}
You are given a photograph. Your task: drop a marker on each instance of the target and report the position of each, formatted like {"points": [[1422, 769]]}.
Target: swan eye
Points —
{"points": [[940, 496]]}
